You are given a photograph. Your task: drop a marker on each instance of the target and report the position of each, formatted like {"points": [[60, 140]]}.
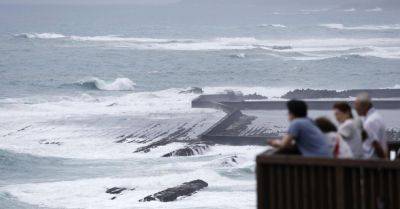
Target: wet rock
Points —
{"points": [[180, 134], [317, 94], [112, 104], [171, 194], [24, 128], [44, 141], [192, 90], [310, 93], [116, 190], [229, 162], [254, 96], [193, 149]]}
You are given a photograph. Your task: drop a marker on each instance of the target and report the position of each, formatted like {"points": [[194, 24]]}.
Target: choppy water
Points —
{"points": [[75, 78]]}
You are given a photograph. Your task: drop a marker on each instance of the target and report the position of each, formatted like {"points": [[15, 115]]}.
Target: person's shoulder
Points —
{"points": [[346, 124], [331, 135], [375, 117], [300, 121]]}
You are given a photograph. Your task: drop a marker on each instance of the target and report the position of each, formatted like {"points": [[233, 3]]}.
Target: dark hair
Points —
{"points": [[325, 125], [297, 108], [343, 107]]}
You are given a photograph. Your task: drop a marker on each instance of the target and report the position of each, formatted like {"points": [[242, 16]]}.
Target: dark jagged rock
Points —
{"points": [[255, 96], [24, 128], [317, 94], [189, 150], [229, 161], [192, 90], [44, 141], [139, 136], [310, 94], [181, 134], [239, 125], [116, 190], [171, 194]]}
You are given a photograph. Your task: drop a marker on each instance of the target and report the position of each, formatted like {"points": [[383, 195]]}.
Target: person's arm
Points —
{"points": [[373, 138], [285, 142], [345, 131], [380, 152]]}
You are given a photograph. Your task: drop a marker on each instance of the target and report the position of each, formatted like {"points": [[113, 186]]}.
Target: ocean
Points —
{"points": [[74, 79]]}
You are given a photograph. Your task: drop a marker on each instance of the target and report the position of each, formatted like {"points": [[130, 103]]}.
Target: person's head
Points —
{"points": [[297, 109], [342, 111], [325, 125], [363, 104]]}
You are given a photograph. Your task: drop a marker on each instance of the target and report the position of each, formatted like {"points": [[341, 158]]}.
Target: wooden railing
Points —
{"points": [[295, 182]]}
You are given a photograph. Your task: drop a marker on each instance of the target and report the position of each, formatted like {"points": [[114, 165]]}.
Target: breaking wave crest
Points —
{"points": [[39, 35], [300, 49], [119, 84], [339, 26], [376, 9]]}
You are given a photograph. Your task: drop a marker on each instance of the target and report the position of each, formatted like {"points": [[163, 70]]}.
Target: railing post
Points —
{"points": [[340, 203]]}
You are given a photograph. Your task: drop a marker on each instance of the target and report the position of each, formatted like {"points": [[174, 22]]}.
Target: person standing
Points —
{"points": [[375, 144], [348, 128], [303, 132], [338, 146]]}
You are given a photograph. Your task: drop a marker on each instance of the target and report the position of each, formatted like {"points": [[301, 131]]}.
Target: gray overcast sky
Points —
{"points": [[304, 3]]}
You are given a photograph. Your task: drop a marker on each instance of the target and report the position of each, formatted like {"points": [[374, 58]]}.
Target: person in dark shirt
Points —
{"points": [[303, 132]]}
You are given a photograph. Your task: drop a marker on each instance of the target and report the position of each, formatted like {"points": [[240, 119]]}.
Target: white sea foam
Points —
{"points": [[222, 192], [239, 55], [119, 84], [362, 27], [270, 92], [376, 9], [40, 35], [315, 10], [113, 38], [87, 126], [315, 48], [350, 10], [273, 25]]}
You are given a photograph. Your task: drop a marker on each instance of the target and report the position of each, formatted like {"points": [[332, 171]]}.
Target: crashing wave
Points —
{"points": [[119, 84], [39, 35]]}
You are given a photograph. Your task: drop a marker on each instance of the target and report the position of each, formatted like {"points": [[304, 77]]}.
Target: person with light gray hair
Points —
{"points": [[375, 144]]}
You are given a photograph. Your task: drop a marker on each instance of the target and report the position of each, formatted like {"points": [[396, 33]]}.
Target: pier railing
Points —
{"points": [[295, 182]]}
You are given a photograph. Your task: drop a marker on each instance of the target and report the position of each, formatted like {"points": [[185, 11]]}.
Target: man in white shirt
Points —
{"points": [[375, 145]]}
